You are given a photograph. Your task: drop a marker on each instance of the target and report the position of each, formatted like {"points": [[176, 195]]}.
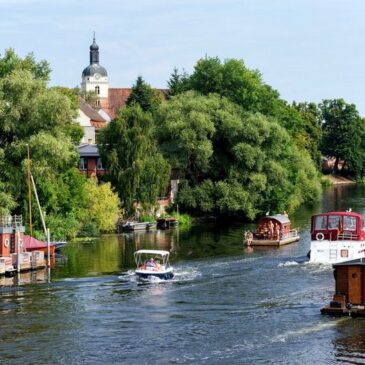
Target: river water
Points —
{"points": [[226, 305]]}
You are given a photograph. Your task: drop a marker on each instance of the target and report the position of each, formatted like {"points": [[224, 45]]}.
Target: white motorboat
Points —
{"points": [[153, 263], [337, 237]]}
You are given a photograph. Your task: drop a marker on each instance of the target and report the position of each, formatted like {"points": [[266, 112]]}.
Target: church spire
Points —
{"points": [[94, 52]]}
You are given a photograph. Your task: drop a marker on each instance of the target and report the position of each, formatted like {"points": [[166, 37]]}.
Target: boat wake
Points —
{"points": [[307, 330], [186, 274], [288, 263]]}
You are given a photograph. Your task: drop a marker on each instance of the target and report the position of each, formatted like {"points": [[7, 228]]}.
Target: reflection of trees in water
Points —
{"points": [[342, 197], [154, 240], [350, 342]]}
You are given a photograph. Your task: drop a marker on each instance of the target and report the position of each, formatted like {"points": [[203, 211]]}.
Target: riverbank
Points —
{"points": [[338, 180]]}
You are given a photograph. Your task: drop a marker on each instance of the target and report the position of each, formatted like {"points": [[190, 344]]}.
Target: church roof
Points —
{"points": [[90, 112], [93, 69]]}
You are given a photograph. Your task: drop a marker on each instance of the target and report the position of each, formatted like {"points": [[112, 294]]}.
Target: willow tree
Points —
{"points": [[231, 161], [233, 80], [137, 170]]}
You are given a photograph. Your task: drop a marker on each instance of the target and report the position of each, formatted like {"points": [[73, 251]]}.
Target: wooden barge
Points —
{"points": [[272, 230], [349, 297]]}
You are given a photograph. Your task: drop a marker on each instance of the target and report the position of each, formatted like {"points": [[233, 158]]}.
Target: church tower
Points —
{"points": [[95, 78]]}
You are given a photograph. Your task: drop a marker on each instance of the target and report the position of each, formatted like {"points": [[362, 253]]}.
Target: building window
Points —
{"points": [[99, 164], [97, 90], [83, 164], [97, 102]]}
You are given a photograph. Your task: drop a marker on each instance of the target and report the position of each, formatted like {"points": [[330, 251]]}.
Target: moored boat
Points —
{"points": [[337, 237], [32, 244], [168, 222], [153, 263], [272, 230], [138, 226]]}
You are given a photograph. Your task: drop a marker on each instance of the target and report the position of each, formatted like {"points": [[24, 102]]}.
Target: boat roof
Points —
{"points": [[277, 217], [342, 213], [152, 252], [356, 262]]}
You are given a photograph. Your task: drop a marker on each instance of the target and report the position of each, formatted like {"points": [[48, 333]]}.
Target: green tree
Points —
{"points": [[311, 138], [343, 136], [177, 83], [144, 95], [10, 62], [31, 113], [137, 170], [185, 128], [233, 162], [102, 206]]}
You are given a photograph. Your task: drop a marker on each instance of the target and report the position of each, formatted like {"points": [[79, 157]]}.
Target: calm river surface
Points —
{"points": [[225, 305]]}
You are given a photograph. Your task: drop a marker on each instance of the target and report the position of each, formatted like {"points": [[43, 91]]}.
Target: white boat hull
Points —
{"points": [[332, 252], [161, 274]]}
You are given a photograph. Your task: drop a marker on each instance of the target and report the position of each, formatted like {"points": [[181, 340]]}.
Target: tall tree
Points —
{"points": [[344, 135], [177, 83], [137, 169], [144, 95]]}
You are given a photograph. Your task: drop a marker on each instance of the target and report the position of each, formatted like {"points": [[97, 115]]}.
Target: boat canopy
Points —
{"points": [[281, 218], [152, 252], [163, 254]]}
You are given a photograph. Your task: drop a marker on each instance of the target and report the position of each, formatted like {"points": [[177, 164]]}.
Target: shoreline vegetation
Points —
{"points": [[337, 180], [236, 148]]}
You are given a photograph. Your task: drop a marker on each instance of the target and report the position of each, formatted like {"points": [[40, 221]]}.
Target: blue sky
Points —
{"points": [[308, 50]]}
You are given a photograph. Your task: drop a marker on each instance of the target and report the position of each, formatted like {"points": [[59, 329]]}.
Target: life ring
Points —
{"points": [[319, 236], [6, 243]]}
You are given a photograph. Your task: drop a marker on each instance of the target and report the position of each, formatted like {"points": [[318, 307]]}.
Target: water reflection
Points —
{"points": [[349, 343]]}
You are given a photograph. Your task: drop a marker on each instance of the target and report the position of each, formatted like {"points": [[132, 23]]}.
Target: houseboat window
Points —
{"points": [[320, 222], [99, 164], [333, 222], [83, 164], [349, 223]]}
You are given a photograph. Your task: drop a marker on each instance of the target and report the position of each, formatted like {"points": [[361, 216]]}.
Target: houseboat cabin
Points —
{"points": [[272, 230], [337, 237], [349, 297]]}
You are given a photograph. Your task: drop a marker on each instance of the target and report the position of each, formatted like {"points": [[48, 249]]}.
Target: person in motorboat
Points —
{"points": [[150, 263]]}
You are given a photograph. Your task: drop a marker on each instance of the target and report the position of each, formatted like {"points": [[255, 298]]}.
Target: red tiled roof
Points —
{"points": [[117, 98], [97, 125]]}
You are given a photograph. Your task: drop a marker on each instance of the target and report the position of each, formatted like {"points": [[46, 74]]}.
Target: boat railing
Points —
{"points": [[347, 236], [292, 233], [11, 221]]}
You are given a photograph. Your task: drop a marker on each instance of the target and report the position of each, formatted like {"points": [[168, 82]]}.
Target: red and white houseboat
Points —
{"points": [[337, 237]]}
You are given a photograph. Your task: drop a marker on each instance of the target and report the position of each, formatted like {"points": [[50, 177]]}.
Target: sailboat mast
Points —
{"points": [[29, 193]]}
